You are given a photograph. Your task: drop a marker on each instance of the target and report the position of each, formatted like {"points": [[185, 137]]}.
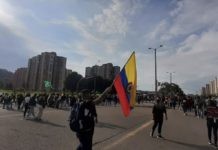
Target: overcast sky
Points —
{"points": [[90, 32]]}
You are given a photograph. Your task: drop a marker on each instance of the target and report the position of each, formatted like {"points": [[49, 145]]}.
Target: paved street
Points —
{"points": [[113, 132]]}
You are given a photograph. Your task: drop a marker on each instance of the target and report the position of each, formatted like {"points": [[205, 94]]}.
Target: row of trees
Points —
{"points": [[170, 89], [75, 82]]}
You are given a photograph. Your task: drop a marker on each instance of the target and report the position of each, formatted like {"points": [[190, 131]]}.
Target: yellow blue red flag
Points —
{"points": [[125, 84]]}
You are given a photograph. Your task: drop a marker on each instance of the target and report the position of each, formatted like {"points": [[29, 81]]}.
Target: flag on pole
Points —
{"points": [[125, 84], [47, 84]]}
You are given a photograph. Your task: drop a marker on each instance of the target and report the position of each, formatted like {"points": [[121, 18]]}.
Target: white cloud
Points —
{"points": [[158, 30], [187, 18], [114, 19], [195, 60], [193, 16], [9, 17], [194, 24]]}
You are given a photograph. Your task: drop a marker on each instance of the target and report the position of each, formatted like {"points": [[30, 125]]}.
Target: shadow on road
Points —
{"points": [[48, 123], [108, 125], [198, 147]]}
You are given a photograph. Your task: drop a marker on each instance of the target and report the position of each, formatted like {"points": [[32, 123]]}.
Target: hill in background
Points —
{"points": [[5, 79]]}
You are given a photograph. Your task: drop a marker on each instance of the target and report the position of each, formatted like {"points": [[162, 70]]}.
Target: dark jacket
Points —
{"points": [[158, 110]]}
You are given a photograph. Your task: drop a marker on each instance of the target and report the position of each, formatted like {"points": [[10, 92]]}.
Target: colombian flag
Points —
{"points": [[125, 84]]}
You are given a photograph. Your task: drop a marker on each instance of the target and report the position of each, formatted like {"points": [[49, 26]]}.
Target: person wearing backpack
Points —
{"points": [[41, 103], [32, 104], [26, 104], [212, 122], [83, 118]]}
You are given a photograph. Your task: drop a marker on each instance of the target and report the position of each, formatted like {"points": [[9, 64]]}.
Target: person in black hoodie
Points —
{"points": [[90, 116], [212, 121], [41, 103], [158, 110]]}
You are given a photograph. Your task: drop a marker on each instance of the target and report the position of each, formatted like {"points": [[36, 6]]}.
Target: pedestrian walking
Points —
{"points": [[26, 104], [41, 103], [212, 121], [158, 111], [32, 105], [83, 118], [20, 100], [184, 106]]}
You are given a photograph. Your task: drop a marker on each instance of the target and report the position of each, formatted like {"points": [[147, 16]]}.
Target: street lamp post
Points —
{"points": [[155, 66], [171, 76]]}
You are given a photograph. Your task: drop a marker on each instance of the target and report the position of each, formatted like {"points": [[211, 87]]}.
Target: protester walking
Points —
{"points": [[32, 104], [83, 118], [212, 121], [158, 111], [41, 103], [20, 100], [26, 104]]}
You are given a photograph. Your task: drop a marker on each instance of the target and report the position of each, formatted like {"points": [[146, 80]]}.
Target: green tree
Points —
{"points": [[93, 84], [172, 89], [71, 81]]}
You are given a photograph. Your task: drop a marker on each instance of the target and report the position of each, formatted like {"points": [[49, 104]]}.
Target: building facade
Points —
{"points": [[46, 67], [106, 71], [68, 72], [211, 88], [19, 78]]}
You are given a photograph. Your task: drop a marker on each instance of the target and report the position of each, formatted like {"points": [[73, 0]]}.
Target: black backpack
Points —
{"points": [[77, 121]]}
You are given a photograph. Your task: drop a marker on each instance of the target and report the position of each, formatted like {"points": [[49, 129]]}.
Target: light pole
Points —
{"points": [[171, 76], [155, 66]]}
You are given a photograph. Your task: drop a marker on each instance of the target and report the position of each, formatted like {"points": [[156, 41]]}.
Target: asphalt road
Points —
{"points": [[113, 132]]}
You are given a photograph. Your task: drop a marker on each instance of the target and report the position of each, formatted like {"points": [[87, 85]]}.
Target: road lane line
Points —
{"points": [[128, 135]]}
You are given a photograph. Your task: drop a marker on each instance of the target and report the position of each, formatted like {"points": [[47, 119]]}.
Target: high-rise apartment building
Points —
{"points": [[59, 73], [46, 67], [19, 78], [32, 73], [88, 72], [106, 71], [68, 72], [116, 70]]}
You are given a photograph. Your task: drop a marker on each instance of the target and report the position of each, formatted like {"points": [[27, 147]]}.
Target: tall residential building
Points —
{"points": [[203, 91], [216, 86], [106, 71], [207, 88], [32, 73], [116, 70], [212, 87], [67, 72], [19, 78], [88, 72], [59, 73], [46, 67]]}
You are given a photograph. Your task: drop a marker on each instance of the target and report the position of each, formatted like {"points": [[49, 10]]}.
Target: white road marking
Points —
{"points": [[128, 135]]}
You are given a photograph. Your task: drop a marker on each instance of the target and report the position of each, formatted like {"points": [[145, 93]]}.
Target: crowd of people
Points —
{"points": [[32, 103]]}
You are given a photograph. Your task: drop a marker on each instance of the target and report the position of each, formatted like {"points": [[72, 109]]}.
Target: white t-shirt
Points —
{"points": [[27, 99]]}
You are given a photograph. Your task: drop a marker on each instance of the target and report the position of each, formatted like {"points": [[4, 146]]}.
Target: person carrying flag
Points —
{"points": [[87, 117], [125, 84]]}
